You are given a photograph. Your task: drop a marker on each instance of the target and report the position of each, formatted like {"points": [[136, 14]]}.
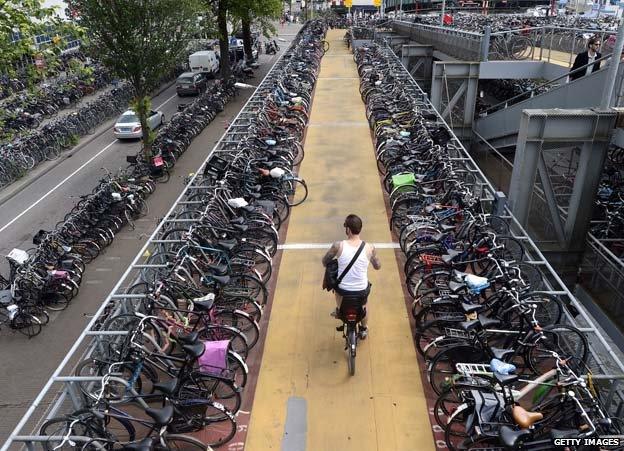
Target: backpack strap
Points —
{"points": [[351, 263]]}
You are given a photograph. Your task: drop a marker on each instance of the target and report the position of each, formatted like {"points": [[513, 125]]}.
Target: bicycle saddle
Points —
{"points": [[505, 379], [144, 445], [227, 244], [5, 297], [242, 227], [524, 418], [167, 387], [204, 304], [162, 416], [470, 308], [189, 338], [218, 268], [455, 286], [488, 322], [500, 353], [221, 279], [469, 325], [510, 437], [563, 433], [195, 349], [237, 220]]}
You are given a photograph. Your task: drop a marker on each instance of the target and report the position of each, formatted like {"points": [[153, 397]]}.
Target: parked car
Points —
{"points": [[205, 61], [128, 125], [191, 83]]}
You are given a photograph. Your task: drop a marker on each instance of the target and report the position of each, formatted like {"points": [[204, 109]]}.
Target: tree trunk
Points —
{"points": [[247, 44], [223, 40], [142, 106]]}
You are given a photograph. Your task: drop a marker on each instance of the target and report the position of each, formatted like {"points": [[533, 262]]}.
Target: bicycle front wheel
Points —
{"points": [[296, 191]]}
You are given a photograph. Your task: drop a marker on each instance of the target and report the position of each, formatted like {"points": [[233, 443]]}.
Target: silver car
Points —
{"points": [[128, 125]]}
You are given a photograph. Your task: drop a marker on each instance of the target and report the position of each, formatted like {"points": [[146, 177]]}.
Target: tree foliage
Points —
{"points": [[242, 13], [20, 22], [259, 11], [140, 41]]}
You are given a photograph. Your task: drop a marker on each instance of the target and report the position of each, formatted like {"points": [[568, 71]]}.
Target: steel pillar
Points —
{"points": [[395, 42], [468, 73], [415, 57], [591, 130]]}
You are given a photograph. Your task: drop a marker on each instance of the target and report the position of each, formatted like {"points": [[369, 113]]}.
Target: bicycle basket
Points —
{"points": [[214, 359], [196, 406], [403, 179]]}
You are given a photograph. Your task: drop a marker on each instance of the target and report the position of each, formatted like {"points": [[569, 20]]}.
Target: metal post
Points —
{"points": [[542, 43], [485, 43], [523, 175], [607, 91], [580, 207]]}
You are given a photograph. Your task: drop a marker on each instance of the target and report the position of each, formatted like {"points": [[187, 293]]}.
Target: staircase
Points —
{"points": [[500, 128]]}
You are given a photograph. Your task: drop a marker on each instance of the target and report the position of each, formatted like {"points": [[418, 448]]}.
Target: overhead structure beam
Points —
{"points": [[588, 129], [468, 73], [416, 56]]}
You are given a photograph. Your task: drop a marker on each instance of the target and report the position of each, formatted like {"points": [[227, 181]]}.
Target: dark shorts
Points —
{"points": [[362, 294]]}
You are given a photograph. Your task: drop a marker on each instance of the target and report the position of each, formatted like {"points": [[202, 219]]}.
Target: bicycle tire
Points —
{"points": [[26, 324], [240, 321], [296, 191], [178, 442], [205, 386], [573, 345], [92, 427], [442, 366]]}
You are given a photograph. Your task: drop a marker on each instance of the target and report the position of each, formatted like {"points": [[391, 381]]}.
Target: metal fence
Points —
{"points": [[459, 44], [557, 45]]}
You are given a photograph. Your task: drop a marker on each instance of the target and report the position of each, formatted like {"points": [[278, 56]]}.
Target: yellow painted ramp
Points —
{"points": [[383, 406]]}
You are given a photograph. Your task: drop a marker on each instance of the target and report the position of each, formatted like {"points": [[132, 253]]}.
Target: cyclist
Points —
{"points": [[355, 282]]}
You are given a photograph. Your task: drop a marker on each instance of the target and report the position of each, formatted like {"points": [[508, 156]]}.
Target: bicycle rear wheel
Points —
{"points": [[177, 442], [351, 344]]}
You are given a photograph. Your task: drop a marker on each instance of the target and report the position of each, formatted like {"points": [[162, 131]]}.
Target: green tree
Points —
{"points": [[256, 11], [20, 22], [244, 12], [140, 41]]}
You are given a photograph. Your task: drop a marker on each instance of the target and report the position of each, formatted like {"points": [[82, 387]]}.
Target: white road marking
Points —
{"points": [[62, 182], [309, 246]]}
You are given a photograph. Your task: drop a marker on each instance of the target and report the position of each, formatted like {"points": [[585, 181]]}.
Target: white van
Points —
{"points": [[205, 61]]}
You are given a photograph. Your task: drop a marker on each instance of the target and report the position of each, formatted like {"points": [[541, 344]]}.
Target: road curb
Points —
{"points": [[34, 175]]}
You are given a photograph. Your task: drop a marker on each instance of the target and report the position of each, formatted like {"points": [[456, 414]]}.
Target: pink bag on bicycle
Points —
{"points": [[214, 358]]}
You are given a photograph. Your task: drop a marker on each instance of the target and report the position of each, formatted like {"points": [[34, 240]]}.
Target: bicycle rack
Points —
{"points": [[604, 361], [118, 302]]}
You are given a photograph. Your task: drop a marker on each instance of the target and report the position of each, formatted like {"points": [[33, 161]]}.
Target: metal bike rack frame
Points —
{"points": [[87, 342], [606, 363]]}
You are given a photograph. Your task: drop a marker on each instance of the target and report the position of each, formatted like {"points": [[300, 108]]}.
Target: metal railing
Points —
{"points": [[540, 88], [460, 44], [546, 43], [62, 389]]}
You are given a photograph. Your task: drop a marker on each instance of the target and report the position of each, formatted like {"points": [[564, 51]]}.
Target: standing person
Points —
{"points": [[355, 282], [587, 57]]}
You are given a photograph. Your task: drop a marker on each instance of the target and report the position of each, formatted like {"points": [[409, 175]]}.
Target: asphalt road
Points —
{"points": [[41, 200]]}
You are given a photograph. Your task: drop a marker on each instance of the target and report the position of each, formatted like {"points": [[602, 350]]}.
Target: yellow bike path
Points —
{"points": [[382, 407]]}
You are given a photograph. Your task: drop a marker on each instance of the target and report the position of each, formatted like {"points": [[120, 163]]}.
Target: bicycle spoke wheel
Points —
{"points": [[176, 442]]}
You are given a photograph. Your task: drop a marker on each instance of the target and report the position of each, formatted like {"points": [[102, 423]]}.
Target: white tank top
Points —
{"points": [[357, 277]]}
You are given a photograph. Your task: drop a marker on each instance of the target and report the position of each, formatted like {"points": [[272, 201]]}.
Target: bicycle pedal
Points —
{"points": [[340, 328]]}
